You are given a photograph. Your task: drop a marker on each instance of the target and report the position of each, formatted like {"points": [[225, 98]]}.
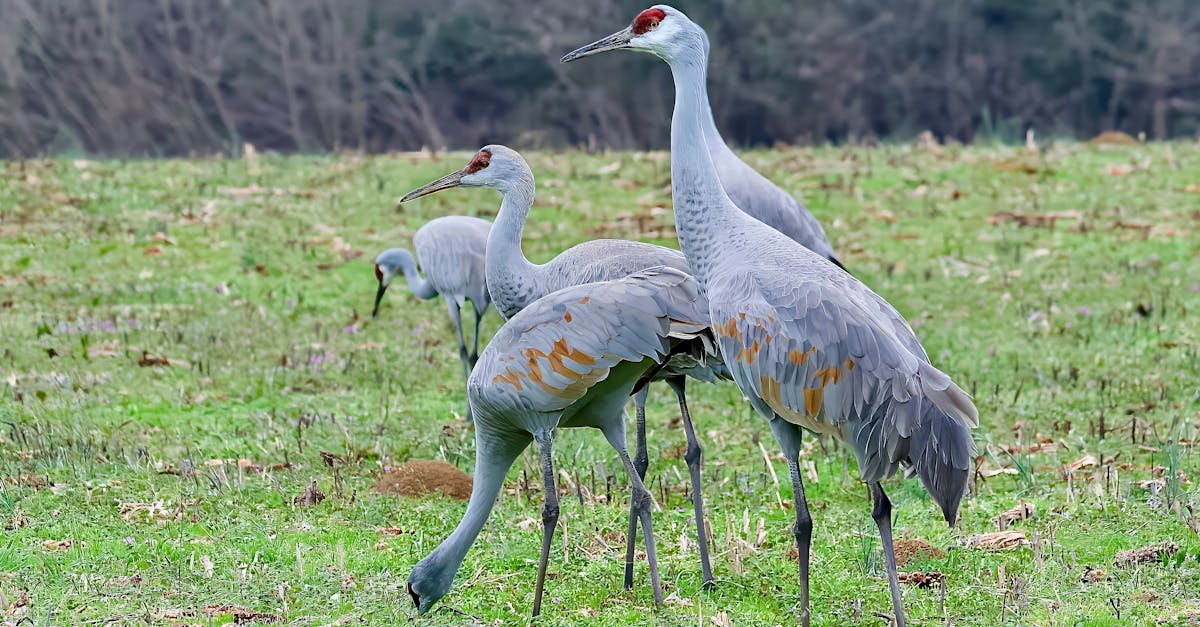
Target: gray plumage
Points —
{"points": [[808, 344], [756, 195], [569, 359], [515, 282], [752, 192], [452, 252]]}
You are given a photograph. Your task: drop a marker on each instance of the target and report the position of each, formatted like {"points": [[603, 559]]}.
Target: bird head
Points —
{"points": [[429, 581], [387, 265], [494, 166], [661, 30]]}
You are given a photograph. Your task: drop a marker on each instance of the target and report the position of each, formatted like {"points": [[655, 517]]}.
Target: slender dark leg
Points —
{"points": [[474, 357], [545, 442], [693, 457], [456, 318], [640, 504], [641, 462], [882, 513], [641, 459], [788, 435]]}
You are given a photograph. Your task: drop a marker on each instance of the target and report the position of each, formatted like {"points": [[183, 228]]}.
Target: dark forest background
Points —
{"points": [[172, 77]]}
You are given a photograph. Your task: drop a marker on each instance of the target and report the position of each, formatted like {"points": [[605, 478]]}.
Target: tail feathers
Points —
{"points": [[835, 261], [950, 398], [941, 450], [929, 432]]}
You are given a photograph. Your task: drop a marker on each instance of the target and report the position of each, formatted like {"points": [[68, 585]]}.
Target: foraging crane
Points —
{"points": [[809, 345], [451, 250], [569, 359], [754, 193], [515, 282]]}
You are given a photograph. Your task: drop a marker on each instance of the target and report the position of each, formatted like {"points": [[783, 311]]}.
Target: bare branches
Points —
{"points": [[150, 77]]}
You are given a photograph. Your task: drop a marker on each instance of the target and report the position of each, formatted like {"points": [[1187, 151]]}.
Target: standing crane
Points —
{"points": [[569, 359], [515, 282], [754, 193], [451, 250], [809, 345]]}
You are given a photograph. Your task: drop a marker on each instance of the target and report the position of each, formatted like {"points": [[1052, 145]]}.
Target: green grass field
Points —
{"points": [[162, 320]]}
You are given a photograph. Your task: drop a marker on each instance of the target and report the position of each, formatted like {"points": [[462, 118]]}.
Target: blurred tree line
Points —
{"points": [[169, 77]]}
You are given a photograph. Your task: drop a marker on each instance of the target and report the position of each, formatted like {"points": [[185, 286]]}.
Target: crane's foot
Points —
{"points": [[643, 507]]}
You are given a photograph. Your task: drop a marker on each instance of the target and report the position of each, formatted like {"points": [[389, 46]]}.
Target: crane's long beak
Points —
{"points": [[615, 41], [454, 179], [378, 299]]}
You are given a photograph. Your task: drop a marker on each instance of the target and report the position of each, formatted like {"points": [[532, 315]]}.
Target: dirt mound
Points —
{"points": [[1113, 137], [909, 549], [424, 476]]}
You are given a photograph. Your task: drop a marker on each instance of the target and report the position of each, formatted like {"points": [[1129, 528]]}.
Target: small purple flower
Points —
{"points": [[1085, 311], [350, 328], [316, 358], [1195, 287]]}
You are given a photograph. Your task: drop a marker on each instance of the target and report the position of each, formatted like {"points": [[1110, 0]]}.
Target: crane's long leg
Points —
{"points": [[788, 435], [640, 503], [474, 356], [693, 457], [456, 318], [545, 441], [882, 513], [641, 462]]}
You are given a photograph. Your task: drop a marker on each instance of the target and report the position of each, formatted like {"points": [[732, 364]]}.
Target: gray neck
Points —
{"points": [[712, 136], [703, 212], [513, 281], [416, 283], [443, 562]]}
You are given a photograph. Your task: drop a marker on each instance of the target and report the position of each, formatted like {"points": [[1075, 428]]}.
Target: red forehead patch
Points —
{"points": [[481, 161], [647, 21], [378, 274]]}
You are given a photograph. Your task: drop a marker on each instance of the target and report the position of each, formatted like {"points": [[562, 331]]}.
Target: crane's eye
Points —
{"points": [[647, 21], [481, 161]]}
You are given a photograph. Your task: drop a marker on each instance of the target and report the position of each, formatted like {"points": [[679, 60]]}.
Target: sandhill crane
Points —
{"points": [[569, 359], [451, 250], [752, 192], [809, 345], [515, 282]]}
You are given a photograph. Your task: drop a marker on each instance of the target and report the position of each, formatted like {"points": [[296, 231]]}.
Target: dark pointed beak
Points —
{"points": [[615, 41], [415, 597], [378, 299], [454, 179]]}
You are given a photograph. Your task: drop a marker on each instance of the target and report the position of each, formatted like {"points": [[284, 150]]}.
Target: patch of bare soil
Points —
{"points": [[421, 477], [1113, 137], [918, 548]]}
